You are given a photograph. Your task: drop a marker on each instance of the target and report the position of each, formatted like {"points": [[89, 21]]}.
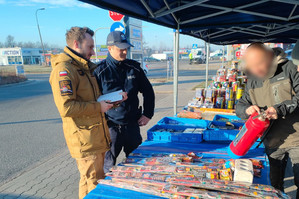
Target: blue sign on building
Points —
{"points": [[136, 32], [118, 26], [194, 46]]}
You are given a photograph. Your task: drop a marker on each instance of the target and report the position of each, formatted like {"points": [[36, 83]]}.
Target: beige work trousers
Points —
{"points": [[91, 170]]}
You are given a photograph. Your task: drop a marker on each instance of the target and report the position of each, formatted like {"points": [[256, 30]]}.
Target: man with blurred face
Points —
{"points": [[273, 85], [124, 121], [75, 92]]}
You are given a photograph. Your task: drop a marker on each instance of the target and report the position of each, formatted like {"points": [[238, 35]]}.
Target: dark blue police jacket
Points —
{"points": [[127, 75]]}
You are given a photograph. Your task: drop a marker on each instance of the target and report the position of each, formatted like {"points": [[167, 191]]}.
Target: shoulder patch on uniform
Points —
{"points": [[65, 87], [63, 73], [81, 72]]}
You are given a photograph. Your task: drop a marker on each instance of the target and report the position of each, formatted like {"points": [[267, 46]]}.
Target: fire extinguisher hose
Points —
{"points": [[265, 134]]}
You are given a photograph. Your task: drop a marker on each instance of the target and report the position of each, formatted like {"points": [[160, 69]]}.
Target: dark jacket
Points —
{"points": [[128, 76], [281, 91]]}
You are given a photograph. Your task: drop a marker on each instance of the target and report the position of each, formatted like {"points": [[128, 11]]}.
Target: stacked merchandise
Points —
{"points": [[225, 91], [189, 176], [172, 133]]}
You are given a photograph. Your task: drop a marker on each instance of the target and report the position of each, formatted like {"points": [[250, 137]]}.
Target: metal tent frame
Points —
{"points": [[215, 21]]}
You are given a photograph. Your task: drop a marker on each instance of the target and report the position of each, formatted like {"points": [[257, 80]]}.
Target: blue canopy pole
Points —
{"points": [[175, 69]]}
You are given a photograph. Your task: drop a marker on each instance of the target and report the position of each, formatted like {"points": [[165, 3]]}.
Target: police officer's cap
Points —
{"points": [[118, 38]]}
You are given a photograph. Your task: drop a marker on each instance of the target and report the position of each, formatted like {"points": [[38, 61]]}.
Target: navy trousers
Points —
{"points": [[125, 137]]}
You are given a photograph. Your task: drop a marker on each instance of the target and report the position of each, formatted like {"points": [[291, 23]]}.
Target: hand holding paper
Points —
{"points": [[113, 97]]}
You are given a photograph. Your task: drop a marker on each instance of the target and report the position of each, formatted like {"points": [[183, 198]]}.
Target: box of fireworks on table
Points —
{"points": [[191, 176], [175, 133]]}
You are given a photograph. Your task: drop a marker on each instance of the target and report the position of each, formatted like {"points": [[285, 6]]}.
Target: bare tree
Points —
{"points": [[28, 44], [19, 44], [10, 41], [162, 47], [148, 51]]}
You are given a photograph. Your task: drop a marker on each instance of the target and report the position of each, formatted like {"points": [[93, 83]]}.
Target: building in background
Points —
{"points": [[12, 56], [134, 34], [26, 56], [101, 53]]}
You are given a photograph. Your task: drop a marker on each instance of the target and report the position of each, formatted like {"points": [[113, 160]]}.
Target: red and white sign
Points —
{"points": [[239, 53], [115, 16]]}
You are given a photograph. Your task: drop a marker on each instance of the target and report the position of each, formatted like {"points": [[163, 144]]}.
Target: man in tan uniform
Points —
{"points": [[75, 92]]}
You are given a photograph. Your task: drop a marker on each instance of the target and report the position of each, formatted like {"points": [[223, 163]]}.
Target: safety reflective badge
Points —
{"points": [[65, 87]]}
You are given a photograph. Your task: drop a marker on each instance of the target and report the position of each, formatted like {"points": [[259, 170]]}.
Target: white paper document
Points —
{"points": [[112, 97]]}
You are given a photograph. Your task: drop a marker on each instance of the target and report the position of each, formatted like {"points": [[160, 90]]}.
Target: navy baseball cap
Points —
{"points": [[118, 38]]}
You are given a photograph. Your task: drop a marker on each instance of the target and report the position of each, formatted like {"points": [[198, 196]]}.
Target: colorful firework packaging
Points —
{"points": [[256, 190], [225, 91], [190, 114], [240, 92], [186, 176]]}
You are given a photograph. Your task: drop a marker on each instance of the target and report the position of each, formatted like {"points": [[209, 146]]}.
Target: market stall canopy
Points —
{"points": [[217, 21]]}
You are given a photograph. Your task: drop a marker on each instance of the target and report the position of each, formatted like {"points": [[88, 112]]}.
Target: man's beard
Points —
{"points": [[85, 56]]}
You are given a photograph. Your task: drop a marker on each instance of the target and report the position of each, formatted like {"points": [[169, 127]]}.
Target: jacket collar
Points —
{"points": [[80, 61], [113, 62]]}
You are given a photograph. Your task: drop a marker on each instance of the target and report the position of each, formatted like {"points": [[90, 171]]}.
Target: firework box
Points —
{"points": [[173, 133]]}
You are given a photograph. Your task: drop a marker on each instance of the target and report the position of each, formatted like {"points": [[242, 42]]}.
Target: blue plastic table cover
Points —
{"points": [[109, 192], [208, 150]]}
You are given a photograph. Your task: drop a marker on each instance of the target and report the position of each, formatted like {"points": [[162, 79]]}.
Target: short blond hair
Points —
{"points": [[77, 34]]}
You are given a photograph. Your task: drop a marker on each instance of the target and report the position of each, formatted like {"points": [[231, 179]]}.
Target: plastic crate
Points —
{"points": [[236, 121], [186, 138], [196, 123], [220, 135], [171, 134]]}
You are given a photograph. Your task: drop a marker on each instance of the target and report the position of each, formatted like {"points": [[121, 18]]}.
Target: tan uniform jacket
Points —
{"points": [[75, 93]]}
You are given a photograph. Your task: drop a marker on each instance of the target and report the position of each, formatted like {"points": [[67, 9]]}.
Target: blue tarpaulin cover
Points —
{"points": [[217, 21], [109, 192]]}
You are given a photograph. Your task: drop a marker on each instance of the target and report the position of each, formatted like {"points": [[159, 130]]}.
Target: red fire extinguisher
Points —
{"points": [[253, 129]]}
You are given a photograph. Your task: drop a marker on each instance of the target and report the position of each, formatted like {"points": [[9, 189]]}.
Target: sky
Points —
{"points": [[17, 18]]}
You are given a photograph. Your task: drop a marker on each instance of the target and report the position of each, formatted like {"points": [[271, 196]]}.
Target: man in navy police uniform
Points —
{"points": [[115, 73]]}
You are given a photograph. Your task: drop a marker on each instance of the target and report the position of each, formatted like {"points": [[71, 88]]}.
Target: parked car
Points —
{"points": [[145, 68], [198, 61], [217, 56], [150, 59]]}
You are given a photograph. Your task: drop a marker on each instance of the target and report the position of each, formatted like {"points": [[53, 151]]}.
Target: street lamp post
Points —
{"points": [[95, 41], [40, 35]]}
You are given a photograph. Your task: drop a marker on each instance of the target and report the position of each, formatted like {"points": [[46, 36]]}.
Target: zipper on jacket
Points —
{"points": [[103, 119], [95, 97], [276, 95]]}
